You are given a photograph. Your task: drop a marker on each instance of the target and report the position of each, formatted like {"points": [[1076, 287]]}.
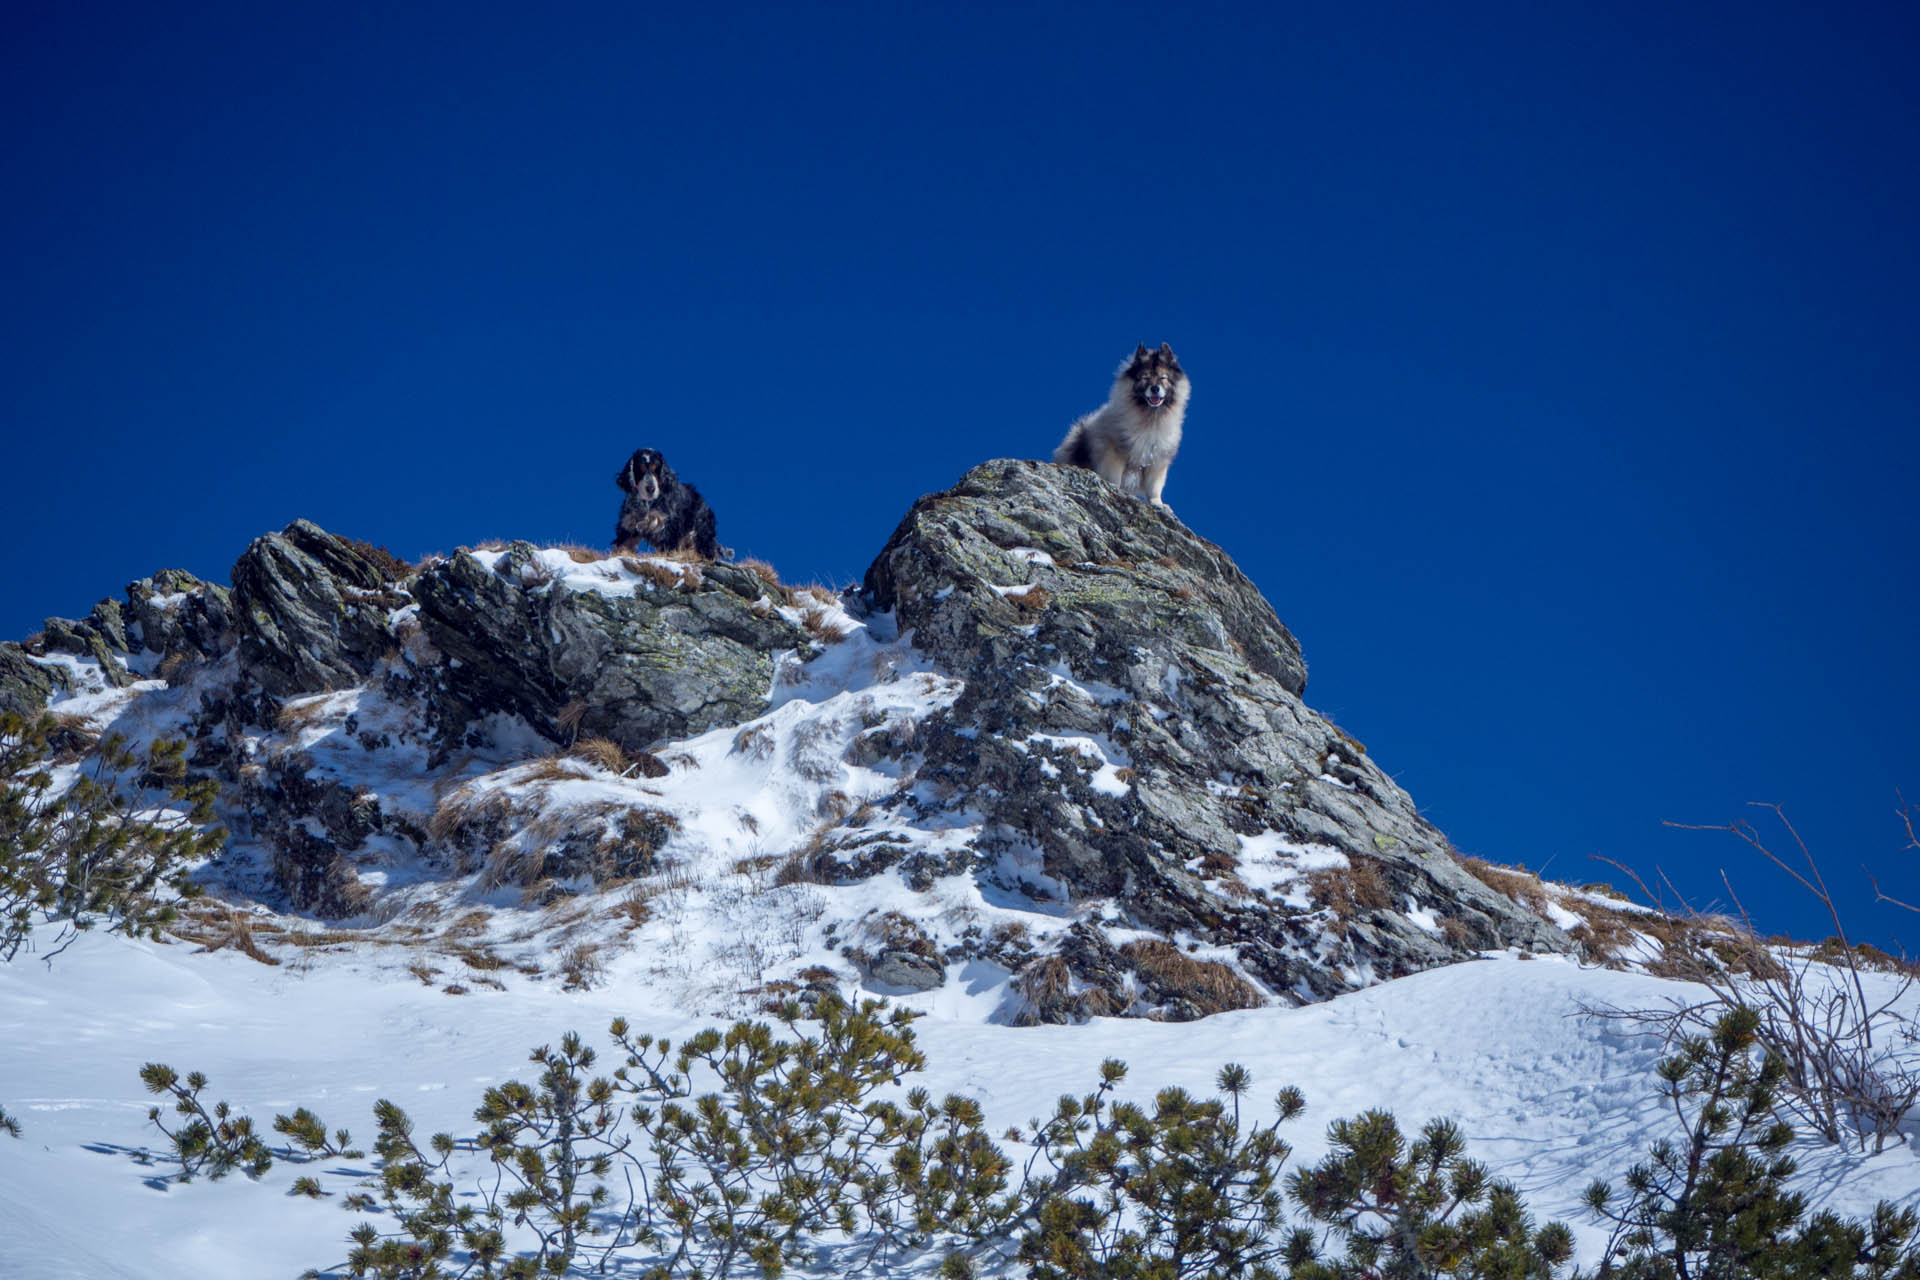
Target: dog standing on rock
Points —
{"points": [[662, 510], [1131, 439]]}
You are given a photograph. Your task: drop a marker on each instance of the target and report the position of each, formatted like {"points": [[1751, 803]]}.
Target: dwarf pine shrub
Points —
{"points": [[795, 1143], [308, 1134], [748, 1152], [555, 1140], [1176, 1192], [94, 850], [732, 1153], [1422, 1211], [213, 1141], [1715, 1205]]}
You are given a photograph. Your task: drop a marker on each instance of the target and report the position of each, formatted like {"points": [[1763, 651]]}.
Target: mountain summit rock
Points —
{"points": [[1053, 747]]}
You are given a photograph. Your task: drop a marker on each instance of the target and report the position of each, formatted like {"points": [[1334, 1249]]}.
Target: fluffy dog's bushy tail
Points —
{"points": [[1073, 451]]}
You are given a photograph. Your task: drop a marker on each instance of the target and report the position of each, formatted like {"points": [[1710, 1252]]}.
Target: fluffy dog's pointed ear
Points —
{"points": [[1166, 350], [1140, 352]]}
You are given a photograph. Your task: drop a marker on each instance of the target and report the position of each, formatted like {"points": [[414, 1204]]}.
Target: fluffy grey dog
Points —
{"points": [[1131, 439]]}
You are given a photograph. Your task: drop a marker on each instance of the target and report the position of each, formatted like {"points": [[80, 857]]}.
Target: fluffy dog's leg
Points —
{"points": [[1154, 480], [705, 536], [1111, 463]]}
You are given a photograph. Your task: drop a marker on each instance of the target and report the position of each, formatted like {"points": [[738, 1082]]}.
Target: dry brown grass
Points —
{"points": [[803, 865], [216, 926], [819, 623], [173, 666], [636, 905], [476, 957], [463, 807], [1350, 890], [1514, 883], [1210, 986], [753, 866], [1218, 862], [582, 968], [1032, 600], [476, 921], [894, 930], [76, 735], [755, 742], [1044, 985], [582, 555], [1457, 933], [511, 862], [667, 577], [548, 769], [322, 938], [601, 753], [569, 718], [389, 566], [769, 576], [1010, 933], [298, 715]]}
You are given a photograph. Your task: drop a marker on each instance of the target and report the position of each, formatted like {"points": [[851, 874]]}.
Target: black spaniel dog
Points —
{"points": [[662, 510]]}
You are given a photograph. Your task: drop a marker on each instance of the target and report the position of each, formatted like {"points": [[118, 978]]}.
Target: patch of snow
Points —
{"points": [[1271, 863]]}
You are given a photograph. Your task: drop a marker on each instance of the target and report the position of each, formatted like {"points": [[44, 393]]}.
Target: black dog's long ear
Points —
{"points": [[624, 477]]}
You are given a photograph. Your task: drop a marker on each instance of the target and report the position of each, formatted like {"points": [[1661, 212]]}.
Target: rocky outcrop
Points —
{"points": [[1132, 725], [173, 614], [696, 653], [1102, 734], [311, 611], [25, 685]]}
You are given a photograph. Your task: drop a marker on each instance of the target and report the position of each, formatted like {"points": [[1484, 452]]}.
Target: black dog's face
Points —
{"points": [[647, 475], [1156, 375]]}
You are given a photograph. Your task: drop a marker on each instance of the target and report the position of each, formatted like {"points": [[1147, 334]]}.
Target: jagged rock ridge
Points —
{"points": [[1067, 730]]}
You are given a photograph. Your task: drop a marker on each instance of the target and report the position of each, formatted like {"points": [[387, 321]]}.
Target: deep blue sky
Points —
{"points": [[1557, 366]]}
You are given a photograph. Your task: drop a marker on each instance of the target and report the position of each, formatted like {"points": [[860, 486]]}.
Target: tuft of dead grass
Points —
{"points": [[1349, 891], [216, 926], [636, 905], [770, 578], [569, 717], [299, 714], [1032, 600], [601, 753], [666, 577], [1514, 883], [548, 769], [476, 957], [582, 967], [1211, 987], [818, 622], [389, 566], [754, 742]]}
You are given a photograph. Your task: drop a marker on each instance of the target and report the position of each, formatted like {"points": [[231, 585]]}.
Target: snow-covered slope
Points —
{"points": [[1551, 1099]]}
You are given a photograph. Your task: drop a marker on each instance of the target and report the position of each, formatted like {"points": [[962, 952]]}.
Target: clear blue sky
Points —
{"points": [[1557, 366]]}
